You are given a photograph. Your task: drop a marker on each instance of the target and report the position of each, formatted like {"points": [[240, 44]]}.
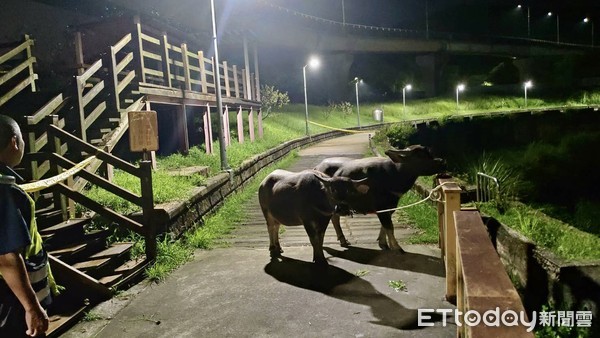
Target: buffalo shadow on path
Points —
{"points": [[407, 261], [338, 283]]}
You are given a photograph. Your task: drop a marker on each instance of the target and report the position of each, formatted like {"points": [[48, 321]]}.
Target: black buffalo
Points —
{"points": [[304, 198], [388, 179]]}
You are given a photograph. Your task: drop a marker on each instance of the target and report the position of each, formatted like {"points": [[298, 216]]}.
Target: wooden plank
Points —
{"points": [[101, 182], [152, 56], [43, 168], [451, 194], [157, 73], [114, 250], [46, 110], [166, 60], [150, 39], [235, 81], [91, 264], [122, 43], [9, 55], [124, 62], [6, 77], [202, 71], [226, 79], [93, 116], [87, 285], [82, 79], [92, 93], [40, 142], [126, 81], [68, 250], [100, 209], [16, 90]]}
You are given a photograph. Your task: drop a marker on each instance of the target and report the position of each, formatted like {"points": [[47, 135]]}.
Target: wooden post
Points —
{"points": [[29, 56], [246, 70], [244, 84], [251, 124], [441, 234], [140, 68], [240, 125], [152, 153], [260, 125], [236, 84], [55, 169], [186, 66], [451, 204], [226, 79], [208, 131], [115, 78], [166, 61], [203, 83], [184, 141], [226, 127], [79, 62], [148, 209], [256, 74]]}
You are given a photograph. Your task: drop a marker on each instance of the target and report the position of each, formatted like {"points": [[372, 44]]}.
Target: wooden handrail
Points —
{"points": [[99, 153], [14, 52]]}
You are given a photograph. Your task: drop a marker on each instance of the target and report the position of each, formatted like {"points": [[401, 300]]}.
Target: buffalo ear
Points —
{"points": [[361, 185]]}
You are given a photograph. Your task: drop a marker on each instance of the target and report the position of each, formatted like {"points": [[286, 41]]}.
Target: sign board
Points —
{"points": [[143, 131]]}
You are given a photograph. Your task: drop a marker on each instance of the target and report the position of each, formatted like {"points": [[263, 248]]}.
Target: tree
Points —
{"points": [[272, 98]]}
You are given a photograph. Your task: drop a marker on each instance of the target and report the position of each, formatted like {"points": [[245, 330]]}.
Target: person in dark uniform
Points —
{"points": [[25, 277]]}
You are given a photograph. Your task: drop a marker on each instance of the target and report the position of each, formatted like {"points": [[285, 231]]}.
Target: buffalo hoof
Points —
{"points": [[384, 246], [275, 252], [344, 243], [320, 262]]}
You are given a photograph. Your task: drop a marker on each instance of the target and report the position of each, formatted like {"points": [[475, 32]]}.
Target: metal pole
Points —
{"points": [[357, 105], [223, 154], [525, 95], [457, 98], [404, 100], [343, 14], [528, 23], [557, 30], [305, 99], [427, 19]]}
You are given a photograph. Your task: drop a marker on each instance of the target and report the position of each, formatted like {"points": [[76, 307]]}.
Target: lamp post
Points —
{"points": [[313, 62], [588, 20], [528, 20], [459, 89], [528, 84], [356, 82], [222, 150], [406, 88], [557, 27]]}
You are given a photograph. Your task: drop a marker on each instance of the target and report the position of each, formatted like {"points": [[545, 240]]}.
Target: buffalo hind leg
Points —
{"points": [[335, 219], [387, 230], [273, 229]]}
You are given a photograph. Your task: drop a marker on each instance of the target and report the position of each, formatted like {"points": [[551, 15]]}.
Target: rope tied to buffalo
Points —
{"points": [[435, 195]]}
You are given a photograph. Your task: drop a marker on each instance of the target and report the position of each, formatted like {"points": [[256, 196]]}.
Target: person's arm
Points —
{"points": [[14, 273]]}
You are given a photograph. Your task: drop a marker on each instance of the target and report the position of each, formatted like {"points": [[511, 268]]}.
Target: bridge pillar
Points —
{"points": [[431, 67]]}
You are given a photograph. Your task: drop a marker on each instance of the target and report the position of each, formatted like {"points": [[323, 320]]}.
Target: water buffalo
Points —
{"points": [[388, 179], [304, 198]]}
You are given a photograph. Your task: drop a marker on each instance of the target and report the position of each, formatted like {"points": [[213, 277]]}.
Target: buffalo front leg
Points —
{"points": [[335, 219], [387, 230], [273, 229], [316, 234]]}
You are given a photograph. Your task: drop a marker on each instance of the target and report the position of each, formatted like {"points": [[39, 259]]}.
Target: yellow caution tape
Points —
{"points": [[340, 129], [43, 184]]}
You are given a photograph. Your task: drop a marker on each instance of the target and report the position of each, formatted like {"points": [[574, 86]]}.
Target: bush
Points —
{"points": [[399, 134]]}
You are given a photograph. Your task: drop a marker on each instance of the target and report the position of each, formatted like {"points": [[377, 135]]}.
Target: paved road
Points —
{"points": [[238, 291]]}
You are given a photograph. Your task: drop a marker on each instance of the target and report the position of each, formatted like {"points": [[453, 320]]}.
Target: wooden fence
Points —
{"points": [[475, 277]]}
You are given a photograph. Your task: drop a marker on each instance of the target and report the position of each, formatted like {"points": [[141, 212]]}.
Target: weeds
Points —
{"points": [[397, 285]]}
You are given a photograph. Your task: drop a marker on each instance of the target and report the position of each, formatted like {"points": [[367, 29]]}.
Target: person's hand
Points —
{"points": [[37, 321]]}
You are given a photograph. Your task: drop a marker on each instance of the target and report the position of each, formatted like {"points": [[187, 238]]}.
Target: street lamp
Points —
{"points": [[406, 88], [557, 27], [459, 89], [528, 20], [313, 63], [528, 84], [588, 20], [356, 82]]}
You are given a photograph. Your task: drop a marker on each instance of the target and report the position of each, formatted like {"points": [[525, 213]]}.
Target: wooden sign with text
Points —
{"points": [[143, 131]]}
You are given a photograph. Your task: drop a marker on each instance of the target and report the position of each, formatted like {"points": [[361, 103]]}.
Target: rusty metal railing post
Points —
{"points": [[148, 209]]}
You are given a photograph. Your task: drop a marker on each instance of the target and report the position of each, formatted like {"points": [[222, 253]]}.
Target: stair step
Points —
{"points": [[69, 250], [114, 250], [59, 322], [110, 280], [114, 119], [66, 225], [130, 265], [91, 264], [130, 101]]}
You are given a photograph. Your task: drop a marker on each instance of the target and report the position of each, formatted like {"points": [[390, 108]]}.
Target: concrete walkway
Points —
{"points": [[239, 292]]}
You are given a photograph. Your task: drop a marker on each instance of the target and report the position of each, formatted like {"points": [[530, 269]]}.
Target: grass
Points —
{"points": [[397, 285], [552, 234], [423, 217]]}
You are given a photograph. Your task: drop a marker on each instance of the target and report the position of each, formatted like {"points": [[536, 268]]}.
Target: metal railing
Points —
{"points": [[488, 187]]}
